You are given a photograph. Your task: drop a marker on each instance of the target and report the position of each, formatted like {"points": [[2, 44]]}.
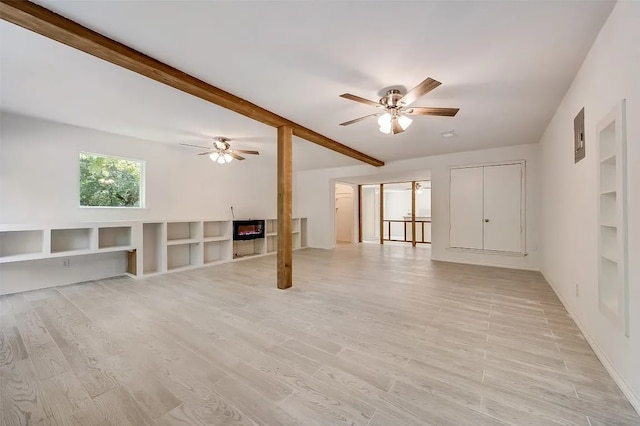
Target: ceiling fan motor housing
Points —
{"points": [[392, 99]]}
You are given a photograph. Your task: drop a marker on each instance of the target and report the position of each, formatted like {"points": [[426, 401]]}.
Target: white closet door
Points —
{"points": [[502, 207], [465, 208]]}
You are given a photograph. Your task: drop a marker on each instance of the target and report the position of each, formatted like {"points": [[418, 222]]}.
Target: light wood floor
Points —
{"points": [[369, 335]]}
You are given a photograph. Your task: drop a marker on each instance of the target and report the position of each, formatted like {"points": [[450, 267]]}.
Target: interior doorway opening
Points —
{"points": [[345, 212], [395, 212]]}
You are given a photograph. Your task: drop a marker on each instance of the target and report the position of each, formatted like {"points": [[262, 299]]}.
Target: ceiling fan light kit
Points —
{"points": [[395, 118], [220, 152]]}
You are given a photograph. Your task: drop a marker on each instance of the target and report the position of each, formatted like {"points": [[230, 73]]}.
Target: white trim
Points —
{"points": [[633, 398]]}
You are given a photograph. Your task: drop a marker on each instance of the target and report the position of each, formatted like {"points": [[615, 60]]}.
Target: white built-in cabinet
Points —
{"points": [[486, 207]]}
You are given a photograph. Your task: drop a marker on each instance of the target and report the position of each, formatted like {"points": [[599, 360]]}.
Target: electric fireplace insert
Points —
{"points": [[248, 229]]}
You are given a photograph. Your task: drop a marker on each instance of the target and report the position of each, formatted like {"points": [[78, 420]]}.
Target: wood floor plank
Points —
{"points": [[256, 406], [21, 395]]}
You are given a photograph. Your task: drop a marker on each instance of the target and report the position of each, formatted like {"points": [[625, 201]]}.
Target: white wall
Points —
{"points": [[317, 202], [610, 72], [39, 172], [39, 185]]}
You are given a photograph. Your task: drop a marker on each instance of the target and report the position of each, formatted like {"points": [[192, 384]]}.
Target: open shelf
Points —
{"points": [[183, 255], [271, 226], [216, 251], [152, 248], [69, 240], [21, 243], [117, 236], [607, 142], [248, 248], [303, 232], [271, 244], [183, 231], [216, 229], [608, 208]]}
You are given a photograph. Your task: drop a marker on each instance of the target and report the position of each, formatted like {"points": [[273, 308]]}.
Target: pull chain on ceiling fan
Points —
{"points": [[395, 118]]}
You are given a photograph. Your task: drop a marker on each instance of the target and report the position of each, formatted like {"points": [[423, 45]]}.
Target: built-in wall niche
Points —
{"points": [[217, 230], [21, 243], [303, 232], [613, 286], [248, 248], [152, 248], [182, 232], [183, 255], [69, 240], [272, 243], [271, 227], [111, 237], [216, 251]]}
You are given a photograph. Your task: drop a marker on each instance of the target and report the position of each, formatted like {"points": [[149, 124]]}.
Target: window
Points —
{"points": [[110, 181]]}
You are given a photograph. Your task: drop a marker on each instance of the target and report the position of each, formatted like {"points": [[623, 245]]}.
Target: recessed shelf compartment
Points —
{"points": [[183, 231], [248, 248], [607, 177], [69, 240], [608, 208], [608, 243], [609, 283], [216, 251], [303, 232], [217, 229], [20, 243], [271, 226], [272, 244], [183, 255], [117, 236], [152, 249], [607, 142]]}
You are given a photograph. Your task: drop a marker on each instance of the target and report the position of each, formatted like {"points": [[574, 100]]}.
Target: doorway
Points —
{"points": [[396, 212], [344, 214]]}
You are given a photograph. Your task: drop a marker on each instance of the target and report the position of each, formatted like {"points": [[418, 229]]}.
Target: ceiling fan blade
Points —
{"points": [[195, 146], [346, 123], [420, 90], [396, 127], [206, 153], [234, 155], [244, 151], [359, 99], [443, 112]]}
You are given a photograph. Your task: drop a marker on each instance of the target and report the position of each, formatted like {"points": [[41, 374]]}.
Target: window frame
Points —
{"points": [[142, 183]]}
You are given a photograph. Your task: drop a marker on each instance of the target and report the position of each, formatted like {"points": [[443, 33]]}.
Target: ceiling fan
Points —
{"points": [[220, 151], [396, 108]]}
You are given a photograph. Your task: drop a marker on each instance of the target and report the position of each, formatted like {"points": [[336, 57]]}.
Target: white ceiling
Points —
{"points": [[505, 64]]}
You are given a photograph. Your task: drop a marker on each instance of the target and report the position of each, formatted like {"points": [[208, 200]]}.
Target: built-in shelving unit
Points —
{"points": [[613, 287], [156, 247]]}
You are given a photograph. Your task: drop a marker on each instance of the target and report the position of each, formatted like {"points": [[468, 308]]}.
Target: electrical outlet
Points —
{"points": [[577, 290], [66, 263]]}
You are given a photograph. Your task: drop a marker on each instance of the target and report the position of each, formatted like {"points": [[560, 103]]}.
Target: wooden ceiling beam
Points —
{"points": [[56, 27]]}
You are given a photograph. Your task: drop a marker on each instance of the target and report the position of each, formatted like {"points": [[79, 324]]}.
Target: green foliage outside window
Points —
{"points": [[109, 181]]}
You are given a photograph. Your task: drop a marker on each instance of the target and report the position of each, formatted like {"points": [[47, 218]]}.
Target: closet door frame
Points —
{"points": [[523, 210]]}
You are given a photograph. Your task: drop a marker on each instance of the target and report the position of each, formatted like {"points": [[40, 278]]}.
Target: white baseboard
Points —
{"points": [[483, 263], [633, 398]]}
